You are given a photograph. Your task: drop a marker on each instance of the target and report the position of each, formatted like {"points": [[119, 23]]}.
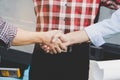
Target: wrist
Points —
{"points": [[70, 39], [39, 37]]}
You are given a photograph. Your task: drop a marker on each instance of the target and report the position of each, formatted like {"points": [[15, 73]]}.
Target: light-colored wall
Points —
{"points": [[21, 14], [105, 13]]}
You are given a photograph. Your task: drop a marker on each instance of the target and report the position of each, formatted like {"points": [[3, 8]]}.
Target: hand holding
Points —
{"points": [[52, 44]]}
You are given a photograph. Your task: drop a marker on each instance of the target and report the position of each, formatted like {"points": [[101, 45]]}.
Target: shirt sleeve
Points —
{"points": [[112, 4], [98, 31], [7, 32]]}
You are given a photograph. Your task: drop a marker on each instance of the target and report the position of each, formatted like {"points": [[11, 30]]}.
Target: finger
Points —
{"points": [[47, 51], [54, 50], [51, 49], [46, 48], [58, 49], [63, 38], [56, 36], [63, 48], [51, 52]]}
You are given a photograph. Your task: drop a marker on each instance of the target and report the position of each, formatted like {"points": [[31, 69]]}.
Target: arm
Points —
{"points": [[13, 36], [24, 37], [95, 32], [75, 37]]}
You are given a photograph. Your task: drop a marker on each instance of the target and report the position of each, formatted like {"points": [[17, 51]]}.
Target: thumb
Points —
{"points": [[59, 36], [63, 38]]}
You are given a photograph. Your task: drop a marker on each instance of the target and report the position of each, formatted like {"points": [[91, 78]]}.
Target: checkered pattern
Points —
{"points": [[66, 15], [7, 32]]}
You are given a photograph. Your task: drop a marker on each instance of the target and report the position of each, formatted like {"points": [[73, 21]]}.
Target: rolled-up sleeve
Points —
{"points": [[98, 31], [7, 32], [95, 35]]}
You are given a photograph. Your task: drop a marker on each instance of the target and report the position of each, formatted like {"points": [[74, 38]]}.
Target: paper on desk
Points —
{"points": [[105, 70], [95, 73]]}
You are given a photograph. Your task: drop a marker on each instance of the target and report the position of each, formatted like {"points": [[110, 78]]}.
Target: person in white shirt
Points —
{"points": [[96, 32]]}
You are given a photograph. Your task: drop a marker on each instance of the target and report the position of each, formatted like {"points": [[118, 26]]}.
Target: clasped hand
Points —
{"points": [[54, 42]]}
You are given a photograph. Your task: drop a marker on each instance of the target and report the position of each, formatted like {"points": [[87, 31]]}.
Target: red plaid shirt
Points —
{"points": [[66, 15]]}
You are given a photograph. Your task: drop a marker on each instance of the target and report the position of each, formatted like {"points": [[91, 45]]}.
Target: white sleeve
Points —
{"points": [[97, 31]]}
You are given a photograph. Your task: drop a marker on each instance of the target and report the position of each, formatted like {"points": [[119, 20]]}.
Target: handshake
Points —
{"points": [[53, 42], [56, 41]]}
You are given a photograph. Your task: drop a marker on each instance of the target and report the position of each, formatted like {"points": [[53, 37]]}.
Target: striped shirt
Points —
{"points": [[7, 32], [66, 15]]}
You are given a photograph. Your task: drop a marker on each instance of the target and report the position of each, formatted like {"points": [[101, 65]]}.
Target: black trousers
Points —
{"points": [[72, 65]]}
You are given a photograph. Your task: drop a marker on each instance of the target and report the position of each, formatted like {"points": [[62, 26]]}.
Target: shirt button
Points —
{"points": [[65, 4], [64, 19]]}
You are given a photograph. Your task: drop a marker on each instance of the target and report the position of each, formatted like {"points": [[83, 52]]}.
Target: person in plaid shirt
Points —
{"points": [[68, 16], [11, 35]]}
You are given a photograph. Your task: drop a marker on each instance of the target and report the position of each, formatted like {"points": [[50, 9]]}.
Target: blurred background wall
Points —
{"points": [[105, 13], [21, 14]]}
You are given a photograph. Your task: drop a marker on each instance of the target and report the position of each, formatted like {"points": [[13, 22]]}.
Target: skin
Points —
{"points": [[53, 42], [24, 37], [76, 37], [68, 39]]}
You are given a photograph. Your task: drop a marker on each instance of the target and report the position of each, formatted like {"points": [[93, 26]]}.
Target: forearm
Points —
{"points": [[13, 36], [24, 37], [77, 37]]}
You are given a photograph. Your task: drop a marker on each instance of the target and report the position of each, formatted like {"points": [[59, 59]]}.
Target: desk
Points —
{"points": [[108, 51]]}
